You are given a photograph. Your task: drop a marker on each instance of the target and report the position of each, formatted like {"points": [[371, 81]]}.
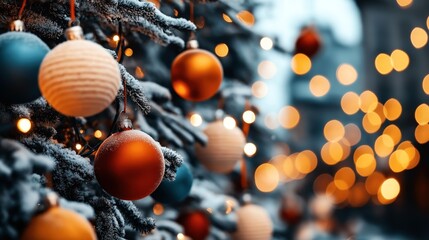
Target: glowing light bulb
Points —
{"points": [[78, 146], [250, 149], [115, 38], [229, 122], [98, 134], [249, 117], [196, 120], [266, 43], [24, 125], [180, 236]]}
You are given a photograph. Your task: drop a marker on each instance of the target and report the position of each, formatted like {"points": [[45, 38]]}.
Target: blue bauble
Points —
{"points": [[21, 54], [172, 192]]}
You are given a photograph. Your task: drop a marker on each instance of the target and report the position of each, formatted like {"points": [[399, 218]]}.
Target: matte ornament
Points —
{"points": [[129, 165], [21, 54], [223, 150], [171, 192], [253, 223], [308, 42], [196, 224], [79, 78], [196, 75], [58, 223]]}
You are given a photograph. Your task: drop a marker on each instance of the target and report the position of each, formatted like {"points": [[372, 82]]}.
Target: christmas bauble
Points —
{"points": [[170, 192], [224, 148], [308, 42], [196, 75], [196, 224], [291, 210], [58, 223], [79, 78], [129, 165], [253, 223], [21, 54]]}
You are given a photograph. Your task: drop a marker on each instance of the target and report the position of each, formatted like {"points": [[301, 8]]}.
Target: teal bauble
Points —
{"points": [[172, 192], [21, 54]]}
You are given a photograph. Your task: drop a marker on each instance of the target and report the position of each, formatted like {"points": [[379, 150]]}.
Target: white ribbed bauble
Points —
{"points": [[224, 148], [253, 223], [79, 78]]}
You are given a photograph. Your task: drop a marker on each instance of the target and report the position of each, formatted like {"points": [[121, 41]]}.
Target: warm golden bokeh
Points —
{"points": [[24, 125], [425, 84], [344, 178], [321, 182], [392, 109], [289, 117], [358, 195], [319, 86], [390, 189], [380, 112], [346, 74], [422, 114], [404, 3], [250, 149], [421, 133], [368, 101], [373, 182], [196, 119], [338, 195], [300, 64], [362, 149], [306, 162], [158, 209], [399, 160], [371, 122], [419, 37], [266, 177], [412, 152], [226, 18], [383, 64], [221, 50], [365, 164], [128, 52], [331, 153], [352, 134], [383, 145], [400, 60], [249, 116], [333, 131], [267, 69], [350, 103], [246, 17], [266, 43], [259, 89], [394, 132]]}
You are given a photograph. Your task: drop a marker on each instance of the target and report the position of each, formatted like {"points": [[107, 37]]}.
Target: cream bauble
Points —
{"points": [[79, 78], [253, 223], [224, 148]]}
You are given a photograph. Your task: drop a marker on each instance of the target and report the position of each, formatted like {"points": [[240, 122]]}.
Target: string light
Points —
{"points": [[98, 134], [250, 149], [128, 52], [78, 146], [229, 122], [226, 18], [196, 120], [24, 125], [221, 50], [249, 117], [180, 236], [116, 38], [158, 209], [266, 43], [390, 189]]}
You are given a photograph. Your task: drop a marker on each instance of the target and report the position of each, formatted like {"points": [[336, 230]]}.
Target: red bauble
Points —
{"points": [[292, 208], [196, 224], [196, 75], [129, 165], [308, 42]]}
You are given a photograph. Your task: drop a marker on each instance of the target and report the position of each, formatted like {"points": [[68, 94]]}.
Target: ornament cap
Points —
{"points": [[192, 44], [124, 123], [74, 33], [17, 26]]}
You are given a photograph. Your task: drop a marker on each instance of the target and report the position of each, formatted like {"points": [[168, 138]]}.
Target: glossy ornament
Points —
{"points": [[196, 75], [79, 78], [129, 165], [196, 224], [171, 192], [253, 223], [308, 42], [58, 223], [21, 54], [223, 150]]}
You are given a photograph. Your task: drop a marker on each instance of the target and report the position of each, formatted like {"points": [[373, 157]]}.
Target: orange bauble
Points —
{"points": [[129, 165], [196, 75], [308, 42], [224, 148], [58, 223]]}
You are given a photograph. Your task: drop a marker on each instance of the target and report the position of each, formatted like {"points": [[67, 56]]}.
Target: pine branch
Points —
{"points": [[173, 160], [133, 217]]}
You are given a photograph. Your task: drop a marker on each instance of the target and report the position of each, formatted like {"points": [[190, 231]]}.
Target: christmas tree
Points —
{"points": [[135, 119]]}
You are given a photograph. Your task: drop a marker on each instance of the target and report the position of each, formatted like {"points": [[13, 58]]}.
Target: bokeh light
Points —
{"points": [[246, 17], [422, 114], [24, 125], [266, 177], [332, 153], [288, 117], [266, 43], [371, 122], [358, 195], [352, 134], [226, 18], [259, 89], [300, 64], [383, 64], [229, 122], [249, 116], [425, 84], [394, 132], [306, 161], [250, 149], [390, 189], [267, 69], [346, 74], [400, 60], [384, 145], [350, 103], [333, 131], [404, 3], [368, 101], [373, 182], [392, 109], [158, 209], [196, 119], [319, 86], [344, 178], [221, 50], [419, 37]]}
